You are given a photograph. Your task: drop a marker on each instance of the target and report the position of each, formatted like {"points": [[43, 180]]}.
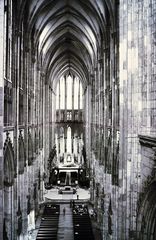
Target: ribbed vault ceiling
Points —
{"points": [[67, 34]]}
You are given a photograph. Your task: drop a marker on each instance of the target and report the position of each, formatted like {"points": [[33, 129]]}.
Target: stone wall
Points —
{"points": [[26, 126], [124, 176], [137, 103], [1, 116]]}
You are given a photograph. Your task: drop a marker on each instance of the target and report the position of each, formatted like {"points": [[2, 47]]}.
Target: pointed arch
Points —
{"points": [[9, 165], [146, 220]]}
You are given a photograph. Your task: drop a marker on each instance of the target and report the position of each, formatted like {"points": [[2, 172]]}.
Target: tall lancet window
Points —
{"points": [[76, 93], [69, 142], [81, 98], [61, 140], [62, 93], [69, 92], [57, 94]]}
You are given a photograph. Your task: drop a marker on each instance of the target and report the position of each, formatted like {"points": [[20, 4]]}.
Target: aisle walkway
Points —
{"points": [[65, 227]]}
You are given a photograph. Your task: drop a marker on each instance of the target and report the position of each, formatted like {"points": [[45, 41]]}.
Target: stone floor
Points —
{"points": [[65, 228]]}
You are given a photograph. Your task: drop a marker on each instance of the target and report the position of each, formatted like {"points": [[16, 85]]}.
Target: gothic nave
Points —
{"points": [[78, 114]]}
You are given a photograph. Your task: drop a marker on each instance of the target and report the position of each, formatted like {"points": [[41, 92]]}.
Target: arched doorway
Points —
{"points": [[146, 221]]}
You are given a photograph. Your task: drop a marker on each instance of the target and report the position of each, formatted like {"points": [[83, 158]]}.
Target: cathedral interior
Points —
{"points": [[78, 119]]}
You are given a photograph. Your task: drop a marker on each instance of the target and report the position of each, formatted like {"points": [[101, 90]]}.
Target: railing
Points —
{"points": [[69, 116]]}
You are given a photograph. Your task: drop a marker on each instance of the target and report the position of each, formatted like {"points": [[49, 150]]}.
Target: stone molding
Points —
{"points": [[147, 141]]}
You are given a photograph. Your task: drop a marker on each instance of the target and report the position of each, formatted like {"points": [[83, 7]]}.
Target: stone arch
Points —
{"points": [[22, 157], [9, 165], [146, 220]]}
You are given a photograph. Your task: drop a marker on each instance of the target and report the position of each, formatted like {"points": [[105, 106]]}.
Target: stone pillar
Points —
{"points": [[59, 96], [50, 118], [73, 98], [15, 85], [136, 80], [65, 80], [44, 123], [1, 116], [53, 99], [79, 101]]}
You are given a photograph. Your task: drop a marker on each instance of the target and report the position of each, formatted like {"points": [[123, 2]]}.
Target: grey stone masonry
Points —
{"points": [[1, 115]]}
